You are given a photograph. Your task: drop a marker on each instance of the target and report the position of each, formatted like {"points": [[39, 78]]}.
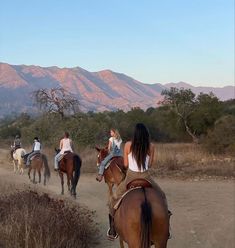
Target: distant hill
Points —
{"points": [[96, 91]]}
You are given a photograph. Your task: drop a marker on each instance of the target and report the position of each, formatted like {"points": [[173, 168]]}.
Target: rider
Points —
{"points": [[66, 145], [36, 149], [114, 148], [138, 158]]}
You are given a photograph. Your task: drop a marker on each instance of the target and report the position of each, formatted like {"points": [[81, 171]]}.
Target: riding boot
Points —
{"points": [[111, 233]]}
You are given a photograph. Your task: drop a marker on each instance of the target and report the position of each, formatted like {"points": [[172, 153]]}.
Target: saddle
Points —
{"points": [[139, 182], [133, 185], [36, 156]]}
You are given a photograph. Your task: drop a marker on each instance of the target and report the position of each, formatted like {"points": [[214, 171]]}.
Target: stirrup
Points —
{"points": [[111, 237]]}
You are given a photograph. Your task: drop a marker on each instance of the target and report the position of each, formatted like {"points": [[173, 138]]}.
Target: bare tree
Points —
{"points": [[56, 100]]}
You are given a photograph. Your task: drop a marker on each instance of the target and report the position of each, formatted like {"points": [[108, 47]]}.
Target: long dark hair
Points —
{"points": [[140, 145]]}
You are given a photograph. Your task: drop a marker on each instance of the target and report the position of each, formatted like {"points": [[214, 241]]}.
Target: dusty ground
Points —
{"points": [[203, 211]]}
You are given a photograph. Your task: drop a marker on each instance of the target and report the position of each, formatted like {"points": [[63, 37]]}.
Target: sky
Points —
{"points": [[154, 41]]}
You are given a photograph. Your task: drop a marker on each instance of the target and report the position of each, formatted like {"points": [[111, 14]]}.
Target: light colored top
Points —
{"points": [[133, 164], [37, 146], [65, 145], [116, 142], [129, 161]]}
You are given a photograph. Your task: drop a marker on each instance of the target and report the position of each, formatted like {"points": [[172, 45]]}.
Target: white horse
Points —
{"points": [[18, 160]]}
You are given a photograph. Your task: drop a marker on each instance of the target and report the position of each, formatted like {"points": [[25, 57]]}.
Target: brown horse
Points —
{"points": [[70, 164], [115, 173], [142, 217], [38, 163]]}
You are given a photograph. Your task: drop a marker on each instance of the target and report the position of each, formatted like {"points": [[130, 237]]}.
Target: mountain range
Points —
{"points": [[96, 91]]}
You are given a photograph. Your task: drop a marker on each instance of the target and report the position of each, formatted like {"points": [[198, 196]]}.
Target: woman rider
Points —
{"points": [[138, 158], [114, 148], [36, 149], [66, 145]]}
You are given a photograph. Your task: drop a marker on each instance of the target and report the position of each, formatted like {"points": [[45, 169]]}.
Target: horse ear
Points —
{"points": [[97, 148]]}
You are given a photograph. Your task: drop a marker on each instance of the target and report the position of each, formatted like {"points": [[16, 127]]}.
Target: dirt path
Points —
{"points": [[203, 210]]}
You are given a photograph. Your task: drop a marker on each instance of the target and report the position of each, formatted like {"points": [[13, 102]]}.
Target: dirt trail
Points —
{"points": [[203, 211]]}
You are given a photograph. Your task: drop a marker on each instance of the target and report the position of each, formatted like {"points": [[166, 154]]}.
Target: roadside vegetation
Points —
{"points": [[32, 219]]}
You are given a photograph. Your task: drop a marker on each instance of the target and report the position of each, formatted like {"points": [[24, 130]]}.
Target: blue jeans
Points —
{"points": [[57, 159], [107, 159], [30, 156]]}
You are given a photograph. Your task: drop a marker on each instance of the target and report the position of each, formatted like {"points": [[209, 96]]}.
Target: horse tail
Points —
{"points": [[77, 163], [146, 222], [47, 172]]}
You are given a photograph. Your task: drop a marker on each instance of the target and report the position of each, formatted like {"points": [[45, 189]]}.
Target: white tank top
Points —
{"points": [[66, 145], [37, 146], [133, 165]]}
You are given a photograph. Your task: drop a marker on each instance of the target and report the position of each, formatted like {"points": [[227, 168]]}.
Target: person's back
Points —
{"points": [[35, 150], [66, 145]]}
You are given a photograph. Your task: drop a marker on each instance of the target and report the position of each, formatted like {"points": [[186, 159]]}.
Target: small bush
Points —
{"points": [[222, 138], [28, 219]]}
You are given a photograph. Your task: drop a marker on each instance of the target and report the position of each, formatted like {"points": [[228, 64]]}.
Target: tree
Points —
{"points": [[198, 114], [56, 100], [182, 102]]}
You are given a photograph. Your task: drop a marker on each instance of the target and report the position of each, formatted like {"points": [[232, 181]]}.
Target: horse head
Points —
{"points": [[102, 153]]}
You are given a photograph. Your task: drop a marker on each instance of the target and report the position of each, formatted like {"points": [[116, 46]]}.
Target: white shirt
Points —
{"points": [[37, 146], [116, 142], [66, 145], [133, 165]]}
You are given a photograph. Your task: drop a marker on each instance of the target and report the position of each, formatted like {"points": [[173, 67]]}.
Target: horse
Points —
{"points": [[115, 173], [70, 164], [18, 161], [38, 163], [141, 218]]}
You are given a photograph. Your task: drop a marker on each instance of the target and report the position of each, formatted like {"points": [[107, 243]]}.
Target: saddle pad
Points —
{"points": [[116, 206], [35, 156]]}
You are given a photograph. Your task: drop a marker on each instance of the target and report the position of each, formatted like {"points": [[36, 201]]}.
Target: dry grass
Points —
{"points": [[29, 219], [171, 160], [190, 160]]}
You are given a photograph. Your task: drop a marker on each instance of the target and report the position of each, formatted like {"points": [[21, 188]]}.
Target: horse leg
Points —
{"points": [[160, 245], [110, 193], [121, 243], [21, 169], [39, 175], [34, 175], [62, 182], [68, 182], [14, 164], [29, 173]]}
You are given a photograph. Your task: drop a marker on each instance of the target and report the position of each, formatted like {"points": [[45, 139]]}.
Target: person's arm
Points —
{"points": [[125, 155], [71, 144], [33, 146], [61, 144], [110, 145], [151, 155]]}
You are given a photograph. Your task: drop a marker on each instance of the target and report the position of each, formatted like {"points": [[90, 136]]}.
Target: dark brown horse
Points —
{"points": [[115, 173], [70, 164], [142, 218], [38, 163]]}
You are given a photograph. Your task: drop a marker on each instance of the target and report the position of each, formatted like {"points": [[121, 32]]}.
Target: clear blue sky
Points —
{"points": [[154, 41]]}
